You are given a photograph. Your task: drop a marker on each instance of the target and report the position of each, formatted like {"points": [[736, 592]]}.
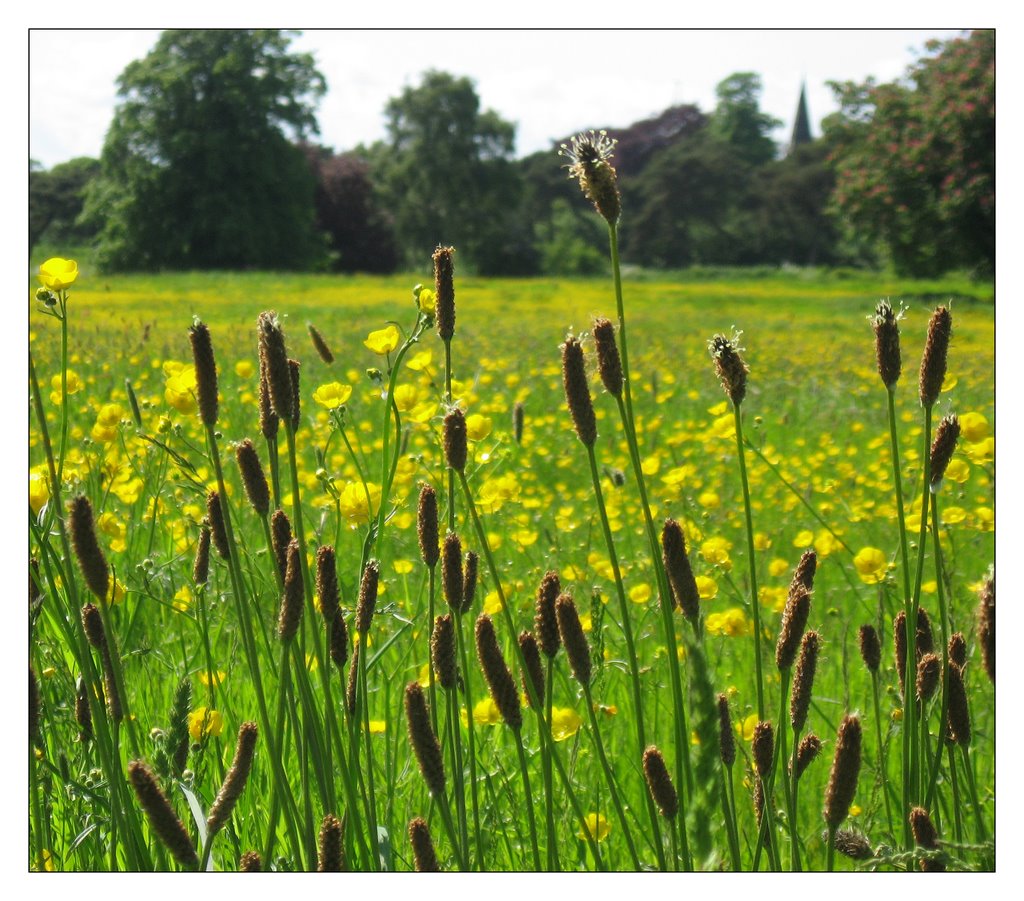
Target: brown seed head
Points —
{"points": [[804, 572], [726, 741], [926, 837], [589, 158], [293, 596], [367, 597], [887, 343], [925, 642], [806, 752], [791, 629], [234, 781], [803, 681], [870, 648], [442, 652], [162, 818], [929, 669], [90, 558], [455, 439], [533, 671], [206, 372], [499, 679], [545, 623], [426, 525], [424, 743], [327, 582], [659, 783], [853, 845], [679, 571], [470, 570], [609, 365], [899, 641], [444, 288], [83, 715], [842, 780], [763, 748], [319, 345], [574, 638], [729, 366], [332, 855], [577, 392], [253, 478], [986, 617], [250, 862], [956, 650], [201, 564], [352, 687], [517, 421], [215, 516], [936, 349], [280, 538], [958, 715], [339, 640], [274, 353], [451, 571], [946, 437], [424, 858], [268, 418], [92, 622]]}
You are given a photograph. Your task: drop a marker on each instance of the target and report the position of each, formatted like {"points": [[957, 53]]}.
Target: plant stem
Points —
{"points": [[546, 752], [753, 563], [460, 640], [525, 770]]}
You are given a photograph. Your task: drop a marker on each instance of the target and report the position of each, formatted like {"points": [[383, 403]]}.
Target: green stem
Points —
{"points": [[610, 778], [460, 642], [882, 763], [448, 403], [432, 690], [525, 770], [534, 700], [371, 804], [546, 752], [752, 561]]}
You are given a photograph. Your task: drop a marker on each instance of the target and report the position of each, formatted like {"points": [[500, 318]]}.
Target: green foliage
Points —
{"points": [[447, 175], [915, 160], [738, 119], [197, 169], [55, 199]]}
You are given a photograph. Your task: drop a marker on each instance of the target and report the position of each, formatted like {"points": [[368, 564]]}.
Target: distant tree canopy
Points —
{"points": [[56, 197], [915, 160], [198, 169]]}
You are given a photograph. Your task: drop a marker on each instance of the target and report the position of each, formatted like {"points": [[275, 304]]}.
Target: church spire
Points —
{"points": [[802, 125]]}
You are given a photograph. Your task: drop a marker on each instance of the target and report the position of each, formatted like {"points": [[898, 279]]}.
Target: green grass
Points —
{"points": [[815, 411]]}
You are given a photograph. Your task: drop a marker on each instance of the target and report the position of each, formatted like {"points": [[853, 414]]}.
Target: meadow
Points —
{"points": [[167, 666]]}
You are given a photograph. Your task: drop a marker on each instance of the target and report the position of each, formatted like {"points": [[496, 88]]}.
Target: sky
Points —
{"points": [[550, 83]]}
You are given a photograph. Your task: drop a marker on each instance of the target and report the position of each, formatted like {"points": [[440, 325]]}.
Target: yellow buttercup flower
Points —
{"points": [[427, 301], [597, 826], [353, 505], [57, 273], [478, 427], [38, 491], [382, 341], [332, 395], [202, 721], [565, 723], [871, 565], [973, 427]]}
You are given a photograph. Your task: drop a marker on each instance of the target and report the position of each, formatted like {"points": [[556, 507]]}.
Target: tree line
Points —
{"points": [[211, 162]]}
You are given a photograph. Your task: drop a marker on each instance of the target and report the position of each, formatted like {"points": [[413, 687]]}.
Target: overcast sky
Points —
{"points": [[550, 83]]}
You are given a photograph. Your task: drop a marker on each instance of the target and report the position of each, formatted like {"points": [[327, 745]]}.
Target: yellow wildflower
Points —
{"points": [[332, 395], [57, 273], [478, 427], [565, 723], [202, 722], [871, 565], [597, 826], [383, 341]]}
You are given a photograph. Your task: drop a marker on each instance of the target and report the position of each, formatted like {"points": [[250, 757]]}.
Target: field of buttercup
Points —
{"points": [[216, 534]]}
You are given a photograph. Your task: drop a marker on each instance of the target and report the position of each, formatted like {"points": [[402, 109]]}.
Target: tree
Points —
{"points": [[738, 119], [360, 232], [915, 159], [198, 169], [55, 200], [448, 176]]}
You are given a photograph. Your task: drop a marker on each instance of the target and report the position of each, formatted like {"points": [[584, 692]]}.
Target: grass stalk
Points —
{"points": [[525, 770]]}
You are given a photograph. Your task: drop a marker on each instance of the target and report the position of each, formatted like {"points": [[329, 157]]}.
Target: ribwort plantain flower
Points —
{"points": [[215, 516], [452, 581], [470, 570], [933, 361], [201, 564], [680, 573], [274, 359], [659, 783], [763, 748], [424, 858], [871, 648], [234, 781], [929, 669], [887, 342], [517, 422], [532, 671], [268, 418], [726, 741], [842, 781], [806, 752], [444, 289], [986, 619], [319, 345], [455, 449], [250, 862], [424, 743], [280, 538], [327, 582], [577, 392], [925, 836], [791, 630], [609, 364], [253, 478], [426, 525], [90, 558], [545, 622], [331, 857], [442, 652], [499, 679], [803, 681], [589, 158], [574, 638], [729, 366], [946, 437], [292, 597], [958, 715], [367, 597], [161, 815], [206, 372]]}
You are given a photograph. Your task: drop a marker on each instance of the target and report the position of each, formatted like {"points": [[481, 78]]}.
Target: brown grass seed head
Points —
{"points": [[533, 670], [452, 581], [870, 647], [367, 597], [274, 352], [327, 582], [201, 563], [589, 155], [470, 572], [946, 437], [293, 596], [206, 372], [215, 516], [161, 815], [280, 538], [331, 856], [680, 573], [499, 680], [986, 620], [235, 780], [609, 364], [803, 681], [424, 743], [573, 638], [726, 740], [319, 345], [577, 391], [659, 783], [842, 780], [254, 480], [424, 857], [442, 652], [887, 342], [933, 361], [90, 558], [729, 366], [444, 289], [545, 622], [791, 629], [426, 525], [455, 448]]}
